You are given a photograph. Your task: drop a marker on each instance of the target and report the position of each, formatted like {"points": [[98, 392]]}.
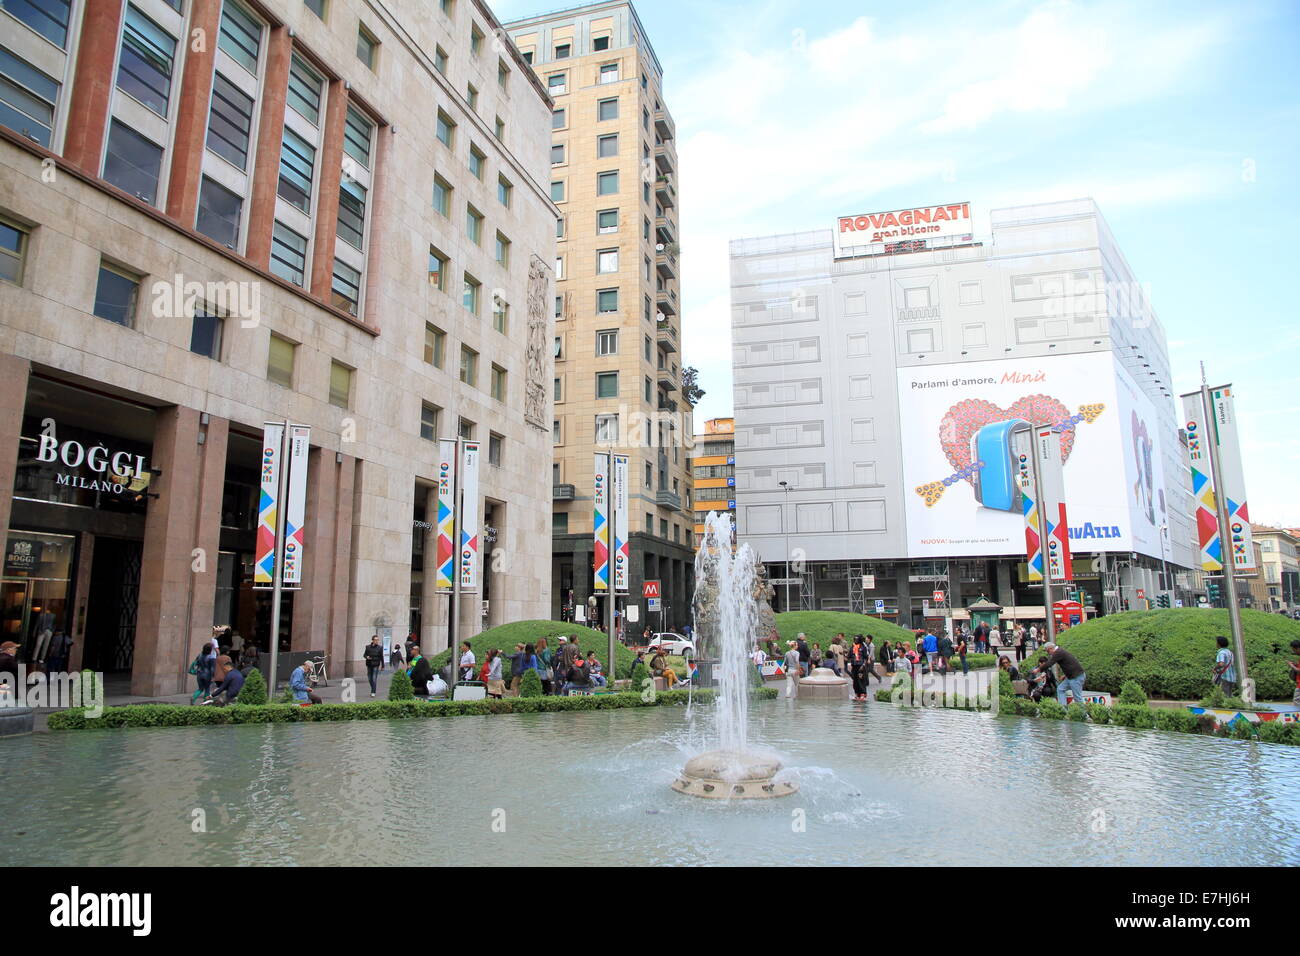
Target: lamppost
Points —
{"points": [[785, 523], [1164, 564]]}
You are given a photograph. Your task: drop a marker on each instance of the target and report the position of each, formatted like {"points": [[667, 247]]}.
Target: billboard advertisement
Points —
{"points": [[469, 536], [622, 536], [854, 233], [600, 521], [295, 509], [967, 426]]}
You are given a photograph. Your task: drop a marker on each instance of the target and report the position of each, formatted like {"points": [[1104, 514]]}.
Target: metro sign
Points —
{"points": [[650, 589]]}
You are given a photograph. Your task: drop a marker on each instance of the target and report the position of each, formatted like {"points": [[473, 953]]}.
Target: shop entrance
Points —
{"points": [[113, 597], [34, 594]]}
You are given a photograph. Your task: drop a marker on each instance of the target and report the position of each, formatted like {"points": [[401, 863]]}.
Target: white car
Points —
{"points": [[672, 643]]}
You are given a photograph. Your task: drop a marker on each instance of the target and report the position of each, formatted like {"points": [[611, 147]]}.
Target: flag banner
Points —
{"points": [[1233, 479], [295, 507], [469, 536], [622, 542], [268, 504], [1051, 504], [600, 521], [1203, 501], [446, 526], [1029, 506]]}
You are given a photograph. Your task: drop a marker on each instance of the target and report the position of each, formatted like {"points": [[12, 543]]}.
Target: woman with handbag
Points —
{"points": [[546, 665]]}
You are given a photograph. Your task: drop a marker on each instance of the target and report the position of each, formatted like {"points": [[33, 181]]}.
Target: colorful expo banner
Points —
{"points": [[964, 425], [622, 544], [1033, 526], [446, 527], [1051, 503], [469, 536], [600, 521], [1199, 435], [295, 508], [268, 503]]}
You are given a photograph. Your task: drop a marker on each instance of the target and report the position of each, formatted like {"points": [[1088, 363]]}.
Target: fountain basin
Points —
{"points": [[823, 684], [729, 775]]}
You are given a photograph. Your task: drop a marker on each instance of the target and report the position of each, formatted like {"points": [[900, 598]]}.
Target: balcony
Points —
{"points": [[667, 335], [664, 125], [667, 380], [562, 493], [666, 262], [666, 404], [668, 499], [665, 230], [665, 192], [665, 162], [666, 299]]}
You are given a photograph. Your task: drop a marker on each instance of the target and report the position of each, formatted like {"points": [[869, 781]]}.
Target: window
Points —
{"points": [[27, 96], [367, 47], [562, 51], [558, 389], [559, 519], [340, 384], [475, 39], [496, 445], [607, 300], [559, 227], [144, 71], [606, 429], [974, 335], [469, 297], [607, 261], [317, 7], [304, 91], [428, 421], [115, 295], [607, 384], [48, 18], [468, 365], [230, 119], [557, 84], [863, 430], [607, 342], [649, 522], [132, 163], [471, 96], [557, 154], [288, 254], [970, 293], [503, 75], [607, 146], [647, 348], [357, 133], [920, 340], [446, 130], [609, 73], [279, 361], [442, 196], [241, 35], [435, 345], [503, 250], [558, 120], [505, 191], [559, 268], [346, 287], [440, 60], [13, 252], [438, 269], [607, 109], [557, 437], [500, 315], [473, 224], [859, 386], [600, 43], [498, 385], [352, 212], [557, 190], [205, 332], [465, 429], [607, 183], [500, 130], [649, 390], [218, 216], [607, 221], [297, 159]]}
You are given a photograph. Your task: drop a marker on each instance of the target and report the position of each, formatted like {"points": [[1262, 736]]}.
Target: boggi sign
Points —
{"points": [[120, 470]]}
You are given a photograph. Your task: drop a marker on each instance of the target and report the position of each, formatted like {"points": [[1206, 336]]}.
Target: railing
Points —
{"points": [[563, 492]]}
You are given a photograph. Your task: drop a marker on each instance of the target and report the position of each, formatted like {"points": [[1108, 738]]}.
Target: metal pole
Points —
{"points": [[277, 590], [1042, 532], [785, 522], [1225, 543], [613, 562], [1165, 580], [453, 597]]}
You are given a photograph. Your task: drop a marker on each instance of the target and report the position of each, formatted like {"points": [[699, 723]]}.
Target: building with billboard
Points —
{"points": [[713, 470], [886, 369], [332, 213], [618, 376]]}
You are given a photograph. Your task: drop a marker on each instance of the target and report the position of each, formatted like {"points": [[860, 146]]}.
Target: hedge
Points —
{"points": [[1170, 652], [175, 715], [821, 627], [505, 637]]}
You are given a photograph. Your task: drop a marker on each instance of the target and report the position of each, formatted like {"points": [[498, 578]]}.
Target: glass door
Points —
{"points": [[13, 611]]}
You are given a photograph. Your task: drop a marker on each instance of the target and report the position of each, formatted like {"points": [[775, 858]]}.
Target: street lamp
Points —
{"points": [[1164, 565], [785, 523]]}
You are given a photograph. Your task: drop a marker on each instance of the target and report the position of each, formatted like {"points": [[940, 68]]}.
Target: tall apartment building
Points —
{"points": [[617, 314], [880, 368], [713, 469], [215, 213]]}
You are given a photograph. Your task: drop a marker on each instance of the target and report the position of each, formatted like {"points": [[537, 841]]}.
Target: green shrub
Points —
{"points": [[1027, 708], [1273, 732], [1144, 718], [1050, 708], [1076, 711], [530, 685], [1170, 652], [286, 697], [1175, 719], [1243, 729], [1132, 693], [640, 674], [1125, 715], [400, 687], [1214, 700], [884, 695], [1099, 713], [253, 693], [1004, 685]]}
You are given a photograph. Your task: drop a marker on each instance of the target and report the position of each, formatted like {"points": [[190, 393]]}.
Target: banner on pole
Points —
{"points": [[469, 536], [1055, 530], [446, 544], [622, 542], [600, 521], [268, 505], [295, 508], [1033, 527], [1233, 479]]}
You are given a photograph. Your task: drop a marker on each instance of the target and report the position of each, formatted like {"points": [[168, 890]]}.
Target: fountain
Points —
{"points": [[732, 595]]}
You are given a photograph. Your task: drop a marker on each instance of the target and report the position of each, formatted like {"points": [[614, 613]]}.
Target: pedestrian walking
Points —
{"points": [[374, 658], [202, 667], [859, 662], [792, 668], [961, 653], [496, 685], [1225, 670]]}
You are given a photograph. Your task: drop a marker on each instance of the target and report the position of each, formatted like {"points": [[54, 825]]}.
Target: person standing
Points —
{"points": [[545, 665], [859, 662], [1225, 670], [840, 652], [1033, 637], [792, 668], [466, 661], [203, 667], [870, 645], [496, 686], [1071, 670], [374, 658], [961, 653], [805, 653], [1294, 671], [395, 658], [930, 643], [1020, 643]]}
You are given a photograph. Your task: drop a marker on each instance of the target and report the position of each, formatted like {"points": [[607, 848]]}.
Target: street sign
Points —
{"points": [[938, 597], [1141, 594], [880, 607], [652, 604], [868, 582], [633, 613], [650, 589]]}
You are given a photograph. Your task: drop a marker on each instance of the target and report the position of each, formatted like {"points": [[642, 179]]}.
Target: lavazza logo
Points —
{"points": [[76, 909]]}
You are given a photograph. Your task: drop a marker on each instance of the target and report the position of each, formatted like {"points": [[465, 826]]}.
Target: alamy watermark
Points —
{"points": [[57, 689]]}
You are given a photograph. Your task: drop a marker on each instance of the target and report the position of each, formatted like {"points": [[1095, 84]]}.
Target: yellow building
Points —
{"points": [[713, 471]]}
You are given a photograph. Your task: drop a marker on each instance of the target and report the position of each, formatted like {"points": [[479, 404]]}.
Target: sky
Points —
{"points": [[1182, 120]]}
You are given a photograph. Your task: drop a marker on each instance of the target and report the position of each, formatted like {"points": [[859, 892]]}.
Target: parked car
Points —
{"points": [[673, 643]]}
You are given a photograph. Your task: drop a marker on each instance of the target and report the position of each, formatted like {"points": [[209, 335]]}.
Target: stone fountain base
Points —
{"points": [[726, 775], [823, 684]]}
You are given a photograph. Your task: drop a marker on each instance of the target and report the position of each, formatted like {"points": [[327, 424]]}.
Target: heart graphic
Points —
{"points": [[963, 420]]}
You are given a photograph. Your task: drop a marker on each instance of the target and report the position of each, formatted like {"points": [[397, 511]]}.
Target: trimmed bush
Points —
{"points": [[505, 637], [400, 687], [1099, 713], [1274, 732], [1051, 709], [253, 693], [1133, 694], [530, 685], [1243, 729], [1027, 708], [1170, 652], [1076, 711], [1175, 719], [1005, 689], [640, 674]]}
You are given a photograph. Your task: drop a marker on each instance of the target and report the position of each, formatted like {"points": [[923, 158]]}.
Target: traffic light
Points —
{"points": [[1162, 599], [1212, 592]]}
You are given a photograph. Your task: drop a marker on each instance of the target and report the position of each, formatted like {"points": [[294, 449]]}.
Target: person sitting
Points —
{"points": [[1042, 682], [420, 672], [595, 670], [229, 689], [659, 668], [300, 684], [578, 678], [1012, 671]]}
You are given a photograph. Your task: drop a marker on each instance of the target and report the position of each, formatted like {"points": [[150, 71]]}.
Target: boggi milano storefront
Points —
{"points": [[76, 557]]}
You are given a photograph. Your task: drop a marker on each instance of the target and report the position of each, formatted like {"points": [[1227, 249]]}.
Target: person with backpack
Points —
{"points": [[944, 646], [961, 652], [577, 677], [374, 658], [545, 665], [203, 667]]}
